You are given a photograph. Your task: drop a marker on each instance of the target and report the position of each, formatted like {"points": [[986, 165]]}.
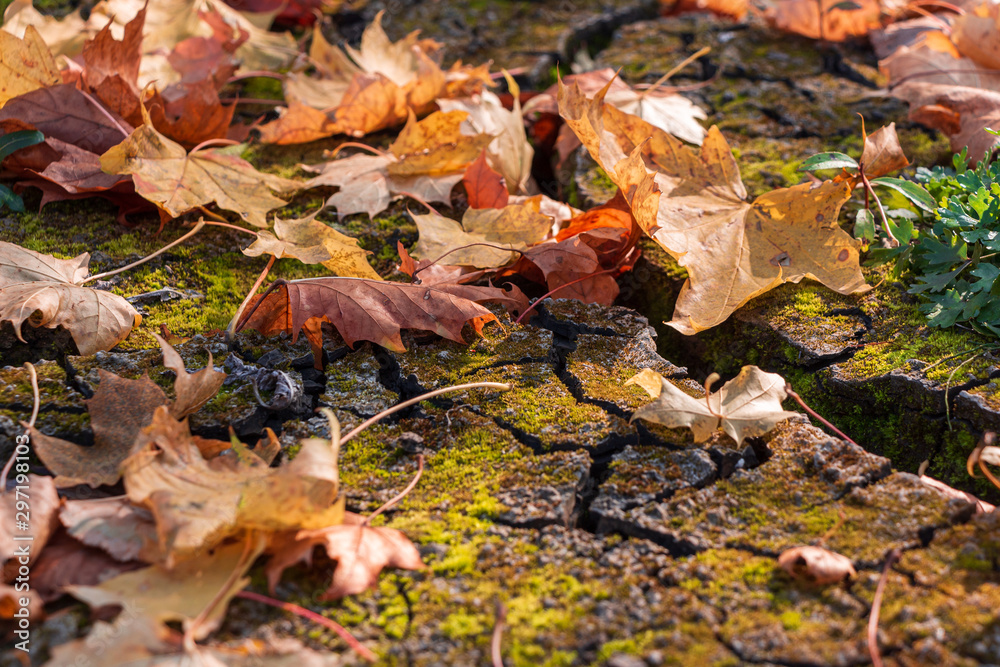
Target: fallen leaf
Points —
{"points": [[816, 566], [64, 36], [509, 152], [132, 639], [122, 530], [198, 503], [960, 112], [374, 310], [882, 153], [67, 562], [181, 593], [649, 380], [426, 161], [40, 503], [515, 226], [975, 35], [25, 65], [484, 187], [747, 406], [44, 291], [111, 68], [192, 390], [119, 410], [981, 505], [178, 181], [562, 266], [313, 242], [838, 23], [694, 205], [361, 552]]}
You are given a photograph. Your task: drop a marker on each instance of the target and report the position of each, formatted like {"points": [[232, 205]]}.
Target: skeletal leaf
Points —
{"points": [[747, 406]]}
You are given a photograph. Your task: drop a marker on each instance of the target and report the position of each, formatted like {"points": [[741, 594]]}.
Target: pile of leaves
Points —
{"points": [[196, 515]]}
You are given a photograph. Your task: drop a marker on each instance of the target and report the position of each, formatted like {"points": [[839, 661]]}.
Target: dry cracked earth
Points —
{"points": [[608, 542]]}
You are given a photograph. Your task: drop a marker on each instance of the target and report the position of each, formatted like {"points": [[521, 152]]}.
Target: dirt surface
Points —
{"points": [[609, 542]]}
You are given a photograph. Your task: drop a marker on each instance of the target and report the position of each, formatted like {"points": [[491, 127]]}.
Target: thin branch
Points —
{"points": [[503, 386], [551, 292], [496, 645], [355, 645], [106, 274], [399, 496], [816, 415], [877, 607], [684, 63], [36, 402]]}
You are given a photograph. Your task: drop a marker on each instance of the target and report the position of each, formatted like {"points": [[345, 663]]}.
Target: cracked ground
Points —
{"points": [[609, 542]]}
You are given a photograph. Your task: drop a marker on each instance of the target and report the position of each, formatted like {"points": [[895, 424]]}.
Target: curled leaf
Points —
{"points": [[816, 566]]}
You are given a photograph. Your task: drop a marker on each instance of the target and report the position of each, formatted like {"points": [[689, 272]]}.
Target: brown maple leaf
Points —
{"points": [[361, 552], [426, 161], [373, 310], [694, 205], [484, 186], [178, 181]]}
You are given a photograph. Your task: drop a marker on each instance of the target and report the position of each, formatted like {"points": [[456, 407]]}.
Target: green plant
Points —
{"points": [[8, 144], [954, 264]]}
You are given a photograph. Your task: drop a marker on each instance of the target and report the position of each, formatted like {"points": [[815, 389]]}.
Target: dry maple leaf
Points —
{"points": [[694, 205], [119, 410], [484, 187], [44, 511], [816, 566], [515, 226], [114, 525], [25, 65], [312, 242], [364, 90], [63, 36], [747, 406], [375, 311], [181, 593], [361, 552], [178, 181], [509, 152], [829, 20], [198, 503], [426, 161], [45, 292]]}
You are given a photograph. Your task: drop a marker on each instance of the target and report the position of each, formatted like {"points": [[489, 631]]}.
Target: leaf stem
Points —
{"points": [[709, 381], [105, 113], [503, 386], [254, 74], [551, 292], [463, 247], [355, 645], [876, 608], [236, 227], [684, 63], [213, 142], [496, 646], [881, 211], [815, 415], [355, 144], [107, 274], [399, 496], [31, 423], [239, 311]]}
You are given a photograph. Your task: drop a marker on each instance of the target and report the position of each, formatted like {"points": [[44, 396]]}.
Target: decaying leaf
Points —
{"points": [[181, 593], [312, 242], [361, 552], [373, 310], [515, 226], [427, 159], [829, 20], [43, 510], [749, 405], [364, 90], [694, 205], [198, 503], [46, 292], [122, 530], [816, 566], [178, 182], [193, 390]]}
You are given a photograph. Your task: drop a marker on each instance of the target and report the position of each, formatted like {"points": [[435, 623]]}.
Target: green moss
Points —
{"points": [[461, 624]]}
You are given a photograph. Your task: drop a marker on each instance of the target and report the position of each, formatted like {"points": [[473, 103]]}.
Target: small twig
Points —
{"points": [[36, 398], [419, 200], [947, 386], [496, 645], [106, 274], [355, 645], [684, 63], [399, 496], [953, 356], [503, 386], [876, 608], [239, 311], [815, 415], [551, 292]]}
